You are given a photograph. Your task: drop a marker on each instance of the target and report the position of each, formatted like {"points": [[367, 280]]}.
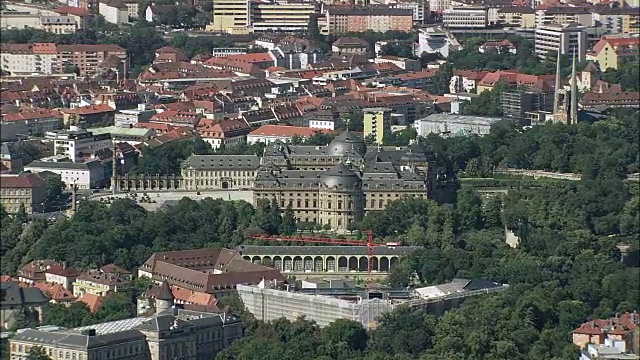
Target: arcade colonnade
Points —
{"points": [[325, 263]]}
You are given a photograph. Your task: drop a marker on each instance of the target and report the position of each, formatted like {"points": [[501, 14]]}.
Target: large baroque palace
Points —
{"points": [[336, 184], [331, 185]]}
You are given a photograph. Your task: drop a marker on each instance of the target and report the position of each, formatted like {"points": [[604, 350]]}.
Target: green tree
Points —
{"points": [[37, 353], [288, 225]]}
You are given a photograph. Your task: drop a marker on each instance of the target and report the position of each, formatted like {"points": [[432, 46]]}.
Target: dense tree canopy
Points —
{"points": [[607, 149]]}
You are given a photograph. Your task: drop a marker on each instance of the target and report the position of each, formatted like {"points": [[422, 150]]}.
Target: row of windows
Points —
{"points": [[16, 191]]}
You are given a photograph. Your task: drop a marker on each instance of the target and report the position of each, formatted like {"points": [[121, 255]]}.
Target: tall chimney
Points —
{"points": [[574, 93], [556, 95]]}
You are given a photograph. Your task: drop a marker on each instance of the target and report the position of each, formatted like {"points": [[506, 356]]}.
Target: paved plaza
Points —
{"points": [[161, 197]]}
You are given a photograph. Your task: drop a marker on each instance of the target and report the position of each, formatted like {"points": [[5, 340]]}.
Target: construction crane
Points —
{"points": [[312, 239]]}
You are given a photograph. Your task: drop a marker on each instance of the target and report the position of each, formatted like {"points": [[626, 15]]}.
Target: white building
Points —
{"points": [[435, 40], [114, 11], [77, 144], [567, 38], [270, 133], [127, 118], [466, 17], [130, 135], [28, 59], [449, 125], [88, 175], [438, 6], [611, 349], [322, 124]]}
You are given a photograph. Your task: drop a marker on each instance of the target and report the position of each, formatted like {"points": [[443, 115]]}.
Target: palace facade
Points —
{"points": [[337, 184]]}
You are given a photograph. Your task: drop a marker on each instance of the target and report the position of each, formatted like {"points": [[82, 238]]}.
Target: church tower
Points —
{"points": [[164, 298], [560, 98]]}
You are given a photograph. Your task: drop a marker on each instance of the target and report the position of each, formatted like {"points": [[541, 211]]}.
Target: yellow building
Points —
{"points": [[612, 52], [98, 283], [518, 16], [631, 23], [377, 122], [286, 16], [231, 16], [246, 16], [28, 190]]}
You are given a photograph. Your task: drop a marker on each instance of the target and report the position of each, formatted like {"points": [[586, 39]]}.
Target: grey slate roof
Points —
{"points": [[73, 340], [222, 162], [326, 250], [11, 294], [164, 292], [37, 164]]}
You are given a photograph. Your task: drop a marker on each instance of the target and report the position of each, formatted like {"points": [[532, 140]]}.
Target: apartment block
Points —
{"points": [[373, 18], [231, 16], [49, 58], [466, 17], [282, 16], [246, 16], [519, 16], [58, 24], [515, 104], [563, 38], [563, 15], [29, 123], [377, 123], [86, 57], [36, 58]]}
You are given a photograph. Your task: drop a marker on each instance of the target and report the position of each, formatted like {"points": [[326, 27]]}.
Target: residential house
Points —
{"points": [[612, 52], [22, 190], [61, 274], [82, 17], [88, 116], [226, 132], [56, 293], [350, 45], [498, 47], [60, 25], [177, 118], [98, 283], [402, 63], [35, 271], [114, 269], [622, 327], [465, 81], [168, 54], [119, 101], [92, 301]]}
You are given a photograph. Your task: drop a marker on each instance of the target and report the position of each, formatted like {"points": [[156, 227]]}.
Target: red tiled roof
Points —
{"points": [[32, 114], [72, 10], [285, 131], [208, 128], [53, 291], [92, 301], [89, 110], [621, 325], [62, 270], [615, 41], [22, 181], [252, 58]]}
